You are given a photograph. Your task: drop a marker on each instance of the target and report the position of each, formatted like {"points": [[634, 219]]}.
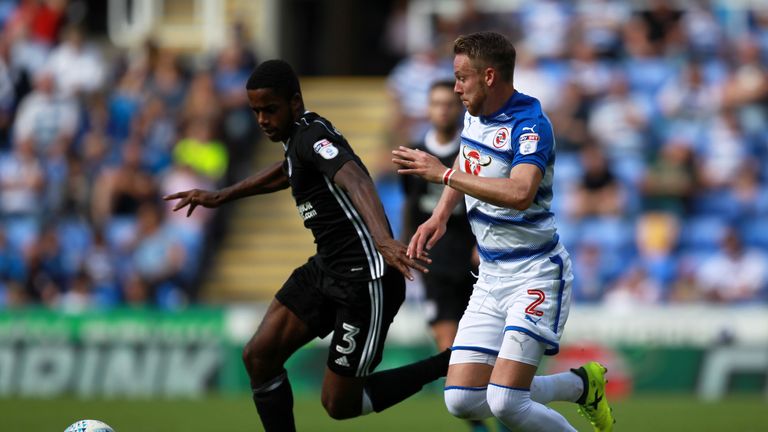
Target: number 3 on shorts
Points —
{"points": [[531, 309], [349, 338]]}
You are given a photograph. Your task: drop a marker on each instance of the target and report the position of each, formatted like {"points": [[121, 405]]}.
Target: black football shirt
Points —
{"points": [[313, 155]]}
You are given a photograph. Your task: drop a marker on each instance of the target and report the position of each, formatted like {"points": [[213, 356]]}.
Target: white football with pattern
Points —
{"points": [[89, 426]]}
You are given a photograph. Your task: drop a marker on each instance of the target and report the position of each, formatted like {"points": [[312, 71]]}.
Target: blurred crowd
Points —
{"points": [[91, 138], [660, 115]]}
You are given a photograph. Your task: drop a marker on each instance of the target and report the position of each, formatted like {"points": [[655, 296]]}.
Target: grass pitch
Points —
{"points": [[422, 413]]}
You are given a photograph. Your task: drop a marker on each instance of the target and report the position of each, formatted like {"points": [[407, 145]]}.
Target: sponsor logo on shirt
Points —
{"points": [[306, 211], [474, 161], [529, 142], [501, 138], [326, 149]]}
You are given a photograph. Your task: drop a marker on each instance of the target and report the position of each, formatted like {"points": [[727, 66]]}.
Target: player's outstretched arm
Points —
{"points": [[268, 180], [366, 200]]}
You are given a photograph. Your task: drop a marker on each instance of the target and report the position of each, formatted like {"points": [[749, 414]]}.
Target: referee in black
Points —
{"points": [[353, 286], [449, 283]]}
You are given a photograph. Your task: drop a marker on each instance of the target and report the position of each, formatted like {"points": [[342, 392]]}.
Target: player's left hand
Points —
{"points": [[419, 163], [394, 253]]}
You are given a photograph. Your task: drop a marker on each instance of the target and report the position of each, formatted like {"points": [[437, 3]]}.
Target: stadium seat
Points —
{"points": [[613, 235], [755, 233], [703, 232]]}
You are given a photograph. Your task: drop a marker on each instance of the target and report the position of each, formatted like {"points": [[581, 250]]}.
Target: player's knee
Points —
{"points": [[337, 409], [258, 360], [466, 404], [508, 404]]}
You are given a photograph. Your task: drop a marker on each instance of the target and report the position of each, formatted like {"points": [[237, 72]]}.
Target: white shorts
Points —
{"points": [[518, 317]]}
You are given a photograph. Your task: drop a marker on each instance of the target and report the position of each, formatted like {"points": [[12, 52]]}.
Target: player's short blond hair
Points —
{"points": [[488, 49]]}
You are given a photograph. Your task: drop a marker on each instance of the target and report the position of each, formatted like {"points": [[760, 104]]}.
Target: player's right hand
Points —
{"points": [[194, 198], [426, 235]]}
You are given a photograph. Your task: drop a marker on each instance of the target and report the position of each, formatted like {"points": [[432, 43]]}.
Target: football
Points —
{"points": [[89, 426]]}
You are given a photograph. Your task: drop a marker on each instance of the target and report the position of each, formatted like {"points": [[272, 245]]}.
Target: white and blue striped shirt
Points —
{"points": [[519, 132]]}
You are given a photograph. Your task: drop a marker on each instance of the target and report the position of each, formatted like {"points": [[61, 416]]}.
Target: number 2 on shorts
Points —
{"points": [[531, 309]]}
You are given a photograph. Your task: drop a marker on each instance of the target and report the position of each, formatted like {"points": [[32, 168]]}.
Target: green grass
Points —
{"points": [[421, 413]]}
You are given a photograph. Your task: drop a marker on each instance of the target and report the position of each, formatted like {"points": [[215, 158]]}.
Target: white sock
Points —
{"points": [[566, 386], [518, 412], [468, 403]]}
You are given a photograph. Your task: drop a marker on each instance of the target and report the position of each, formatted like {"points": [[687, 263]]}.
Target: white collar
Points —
{"points": [[438, 149]]}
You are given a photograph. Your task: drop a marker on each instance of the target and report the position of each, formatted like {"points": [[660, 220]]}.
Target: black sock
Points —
{"points": [[274, 402], [389, 387], [583, 375]]}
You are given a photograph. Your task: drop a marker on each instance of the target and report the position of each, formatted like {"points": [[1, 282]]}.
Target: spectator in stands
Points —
{"points": [[46, 118], [599, 193], [239, 128], [156, 129], [545, 28], [747, 82], [99, 267], [656, 238], [76, 66], [21, 182], [600, 22], [167, 82], [408, 86], [569, 118], [201, 104], [735, 274], [618, 121], [158, 256], [45, 273], [634, 288], [663, 26], [79, 296], [688, 102], [722, 152], [669, 181], [201, 151], [119, 191]]}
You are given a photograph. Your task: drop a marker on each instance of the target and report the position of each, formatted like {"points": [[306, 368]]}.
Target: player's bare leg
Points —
{"points": [[280, 334], [444, 331]]}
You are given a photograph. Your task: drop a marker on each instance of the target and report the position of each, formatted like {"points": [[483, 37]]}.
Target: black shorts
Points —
{"points": [[358, 312], [447, 296]]}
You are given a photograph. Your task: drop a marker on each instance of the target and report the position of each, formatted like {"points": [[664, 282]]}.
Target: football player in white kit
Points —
{"points": [[521, 300]]}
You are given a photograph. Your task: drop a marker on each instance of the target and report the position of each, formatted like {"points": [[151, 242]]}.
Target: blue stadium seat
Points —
{"points": [[75, 238], [754, 233], [21, 231], [611, 234], [703, 232]]}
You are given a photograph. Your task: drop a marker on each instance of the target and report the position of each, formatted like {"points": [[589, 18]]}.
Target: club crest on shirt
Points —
{"points": [[326, 149], [474, 161], [501, 138], [529, 142]]}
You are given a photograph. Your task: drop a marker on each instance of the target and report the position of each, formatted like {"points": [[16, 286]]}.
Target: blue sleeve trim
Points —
{"points": [[474, 348], [531, 161], [523, 389], [551, 351], [464, 388]]}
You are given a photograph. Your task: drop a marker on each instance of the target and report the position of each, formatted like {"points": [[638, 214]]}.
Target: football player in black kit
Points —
{"points": [[353, 286]]}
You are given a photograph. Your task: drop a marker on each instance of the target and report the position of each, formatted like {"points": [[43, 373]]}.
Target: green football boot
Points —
{"points": [[594, 404]]}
